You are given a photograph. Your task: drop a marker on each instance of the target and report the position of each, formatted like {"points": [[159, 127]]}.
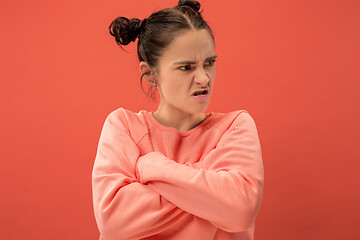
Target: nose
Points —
{"points": [[201, 77]]}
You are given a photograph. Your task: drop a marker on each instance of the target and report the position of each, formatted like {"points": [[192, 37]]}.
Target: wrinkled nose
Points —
{"points": [[201, 77]]}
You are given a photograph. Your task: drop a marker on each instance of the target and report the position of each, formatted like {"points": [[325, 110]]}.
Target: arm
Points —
{"points": [[227, 191], [125, 208]]}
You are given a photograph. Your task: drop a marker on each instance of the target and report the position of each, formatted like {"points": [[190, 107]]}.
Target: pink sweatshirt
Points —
{"points": [[154, 182]]}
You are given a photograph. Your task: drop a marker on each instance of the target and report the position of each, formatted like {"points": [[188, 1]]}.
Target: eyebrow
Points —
{"points": [[193, 62]]}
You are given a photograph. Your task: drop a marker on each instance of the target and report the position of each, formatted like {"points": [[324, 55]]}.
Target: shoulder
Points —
{"points": [[233, 119], [241, 129], [243, 119], [118, 118], [127, 121]]}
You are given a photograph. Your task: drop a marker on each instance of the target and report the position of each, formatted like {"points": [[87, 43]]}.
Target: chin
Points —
{"points": [[200, 109]]}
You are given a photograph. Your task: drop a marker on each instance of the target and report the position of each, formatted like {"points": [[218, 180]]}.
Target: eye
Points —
{"points": [[210, 63], [185, 68]]}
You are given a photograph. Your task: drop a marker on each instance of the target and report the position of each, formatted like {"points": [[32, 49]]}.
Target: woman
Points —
{"points": [[176, 173]]}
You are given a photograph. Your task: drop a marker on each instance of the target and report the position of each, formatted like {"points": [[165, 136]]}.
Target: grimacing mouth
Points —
{"points": [[201, 92]]}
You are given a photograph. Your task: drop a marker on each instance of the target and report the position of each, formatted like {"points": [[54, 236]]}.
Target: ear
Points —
{"points": [[148, 71]]}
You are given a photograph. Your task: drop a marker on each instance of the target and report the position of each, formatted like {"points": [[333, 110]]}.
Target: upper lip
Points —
{"points": [[201, 90]]}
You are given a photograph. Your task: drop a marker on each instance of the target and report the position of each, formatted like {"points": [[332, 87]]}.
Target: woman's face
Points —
{"points": [[186, 72]]}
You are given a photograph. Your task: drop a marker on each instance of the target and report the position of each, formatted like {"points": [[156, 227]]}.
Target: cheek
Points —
{"points": [[172, 87], [212, 73]]}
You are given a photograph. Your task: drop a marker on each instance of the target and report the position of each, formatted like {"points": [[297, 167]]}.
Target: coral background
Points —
{"points": [[293, 65]]}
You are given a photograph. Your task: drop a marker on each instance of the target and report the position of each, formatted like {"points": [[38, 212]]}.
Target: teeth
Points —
{"points": [[200, 93]]}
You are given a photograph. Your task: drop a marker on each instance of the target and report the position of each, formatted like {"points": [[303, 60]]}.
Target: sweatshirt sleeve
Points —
{"points": [[226, 191], [123, 207]]}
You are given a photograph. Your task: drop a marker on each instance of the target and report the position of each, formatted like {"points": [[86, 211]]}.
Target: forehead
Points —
{"points": [[194, 45]]}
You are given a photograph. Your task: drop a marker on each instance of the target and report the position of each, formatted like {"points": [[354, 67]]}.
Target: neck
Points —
{"points": [[178, 119]]}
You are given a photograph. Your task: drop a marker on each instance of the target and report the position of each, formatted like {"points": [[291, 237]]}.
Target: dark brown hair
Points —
{"points": [[157, 31]]}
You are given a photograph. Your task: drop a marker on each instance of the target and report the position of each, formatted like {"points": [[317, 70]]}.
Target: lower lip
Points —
{"points": [[201, 97]]}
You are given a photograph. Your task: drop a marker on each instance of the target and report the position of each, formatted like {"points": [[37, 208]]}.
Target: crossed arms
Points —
{"points": [[138, 196]]}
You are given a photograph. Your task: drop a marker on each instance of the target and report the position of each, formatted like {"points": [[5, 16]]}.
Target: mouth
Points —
{"points": [[201, 92]]}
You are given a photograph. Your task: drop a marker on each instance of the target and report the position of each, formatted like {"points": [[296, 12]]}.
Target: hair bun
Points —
{"points": [[194, 5], [125, 30]]}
